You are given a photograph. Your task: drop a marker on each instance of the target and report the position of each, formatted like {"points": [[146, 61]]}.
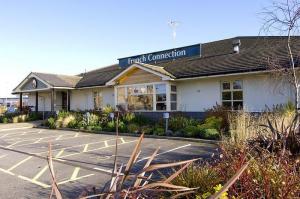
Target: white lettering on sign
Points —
{"points": [[157, 57]]}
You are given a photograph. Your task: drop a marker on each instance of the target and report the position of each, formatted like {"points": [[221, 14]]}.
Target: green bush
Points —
{"points": [[159, 131], [73, 124], [5, 120], [97, 128], [133, 128], [212, 123], [110, 126], [179, 122], [212, 134], [51, 123], [146, 129], [191, 131], [128, 117], [122, 127]]}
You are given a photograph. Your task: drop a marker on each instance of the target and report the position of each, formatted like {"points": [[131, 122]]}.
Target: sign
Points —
{"points": [[187, 51]]}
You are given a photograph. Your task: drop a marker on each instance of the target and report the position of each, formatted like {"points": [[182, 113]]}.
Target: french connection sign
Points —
{"points": [[187, 51]]}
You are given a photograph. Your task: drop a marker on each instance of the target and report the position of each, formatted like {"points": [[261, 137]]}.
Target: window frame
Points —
{"points": [[99, 94], [232, 90], [154, 101]]}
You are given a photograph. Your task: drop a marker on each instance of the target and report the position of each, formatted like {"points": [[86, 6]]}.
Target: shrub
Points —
{"points": [[107, 110], [133, 128], [159, 131], [5, 120], [34, 116], [219, 111], [110, 126], [51, 123], [191, 131], [212, 123], [97, 128], [128, 117], [72, 124], [179, 122], [205, 177], [67, 120], [211, 134], [122, 127], [146, 129]]}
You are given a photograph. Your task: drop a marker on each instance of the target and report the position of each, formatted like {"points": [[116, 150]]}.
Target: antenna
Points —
{"points": [[173, 25]]}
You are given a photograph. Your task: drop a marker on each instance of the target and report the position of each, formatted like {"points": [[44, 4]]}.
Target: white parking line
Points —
{"points": [[12, 129], [168, 151]]}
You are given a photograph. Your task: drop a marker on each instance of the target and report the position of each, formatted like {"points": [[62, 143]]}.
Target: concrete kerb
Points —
{"points": [[138, 135]]}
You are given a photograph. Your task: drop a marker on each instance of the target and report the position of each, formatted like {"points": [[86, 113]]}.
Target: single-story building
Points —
{"points": [[232, 72]]}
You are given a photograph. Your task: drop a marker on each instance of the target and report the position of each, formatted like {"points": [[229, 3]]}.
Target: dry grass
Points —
{"points": [[244, 125]]}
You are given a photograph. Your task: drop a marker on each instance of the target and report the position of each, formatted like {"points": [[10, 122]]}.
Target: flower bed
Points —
{"points": [[19, 117], [128, 122]]}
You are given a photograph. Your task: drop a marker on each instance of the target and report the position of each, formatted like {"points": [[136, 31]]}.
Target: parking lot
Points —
{"points": [[82, 160]]}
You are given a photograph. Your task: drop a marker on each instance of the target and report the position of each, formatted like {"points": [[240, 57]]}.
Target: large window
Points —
{"points": [[146, 97], [161, 97], [232, 94], [140, 97], [173, 98], [98, 100]]}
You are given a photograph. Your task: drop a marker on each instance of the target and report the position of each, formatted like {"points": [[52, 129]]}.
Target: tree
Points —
{"points": [[283, 18]]}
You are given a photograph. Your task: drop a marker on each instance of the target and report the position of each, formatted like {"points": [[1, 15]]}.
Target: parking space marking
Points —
{"points": [[11, 129], [59, 153], [21, 134], [3, 156], [74, 146], [60, 136], [168, 151], [105, 147], [38, 140], [19, 163], [75, 177], [39, 174], [86, 148], [34, 181]]}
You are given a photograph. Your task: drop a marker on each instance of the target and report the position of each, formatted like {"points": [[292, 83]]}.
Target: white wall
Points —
{"points": [[259, 91], [197, 95], [83, 99], [44, 103]]}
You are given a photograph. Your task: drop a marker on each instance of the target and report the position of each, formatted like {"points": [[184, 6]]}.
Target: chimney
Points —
{"points": [[236, 45]]}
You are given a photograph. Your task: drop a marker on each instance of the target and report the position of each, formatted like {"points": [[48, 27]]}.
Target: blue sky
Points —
{"points": [[71, 36]]}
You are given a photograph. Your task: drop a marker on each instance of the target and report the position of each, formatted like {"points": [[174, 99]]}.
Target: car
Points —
{"points": [[12, 109]]}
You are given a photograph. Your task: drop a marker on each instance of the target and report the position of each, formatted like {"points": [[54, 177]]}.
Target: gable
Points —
{"points": [[29, 85], [137, 76]]}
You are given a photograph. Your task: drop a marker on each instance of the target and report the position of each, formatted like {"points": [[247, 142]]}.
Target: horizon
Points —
{"points": [[83, 37]]}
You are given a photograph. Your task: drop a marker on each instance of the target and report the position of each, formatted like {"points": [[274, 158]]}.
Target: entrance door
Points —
{"points": [[64, 100]]}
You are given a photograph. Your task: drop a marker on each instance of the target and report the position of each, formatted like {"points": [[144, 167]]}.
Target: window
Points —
{"points": [[161, 97], [232, 94], [98, 100], [173, 98], [140, 97], [146, 97]]}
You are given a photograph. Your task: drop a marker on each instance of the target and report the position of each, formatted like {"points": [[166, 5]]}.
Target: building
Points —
{"points": [[13, 101], [232, 72]]}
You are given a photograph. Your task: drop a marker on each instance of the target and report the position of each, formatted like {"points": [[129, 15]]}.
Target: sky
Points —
{"points": [[71, 36]]}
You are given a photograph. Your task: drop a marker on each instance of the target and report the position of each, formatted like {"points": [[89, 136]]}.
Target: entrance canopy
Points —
{"points": [[51, 90]]}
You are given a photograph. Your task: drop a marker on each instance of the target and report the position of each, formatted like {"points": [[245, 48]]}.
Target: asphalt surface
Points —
{"points": [[82, 160]]}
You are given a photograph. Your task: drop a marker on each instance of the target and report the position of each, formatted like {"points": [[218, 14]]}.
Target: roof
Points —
{"points": [[99, 77], [218, 57], [158, 69], [56, 80]]}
